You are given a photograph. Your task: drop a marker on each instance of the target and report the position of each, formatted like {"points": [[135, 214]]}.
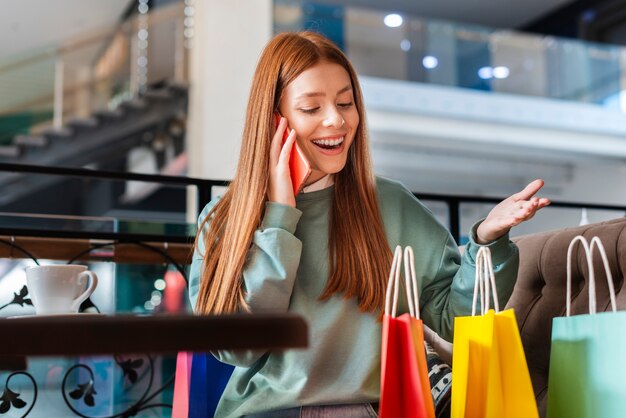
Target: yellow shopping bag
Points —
{"points": [[490, 375]]}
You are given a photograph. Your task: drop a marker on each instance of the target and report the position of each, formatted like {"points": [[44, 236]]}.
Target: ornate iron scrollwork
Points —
{"points": [[86, 391], [11, 399], [19, 298]]}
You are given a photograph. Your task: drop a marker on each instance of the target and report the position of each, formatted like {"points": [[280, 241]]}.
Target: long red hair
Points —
{"points": [[359, 256]]}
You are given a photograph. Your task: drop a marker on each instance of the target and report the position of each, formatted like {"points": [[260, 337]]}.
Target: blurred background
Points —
{"points": [[470, 98], [119, 119]]}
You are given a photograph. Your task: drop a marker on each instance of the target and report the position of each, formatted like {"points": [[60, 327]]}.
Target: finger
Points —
{"points": [[285, 153], [530, 212], [543, 202], [277, 142], [533, 205], [529, 191]]}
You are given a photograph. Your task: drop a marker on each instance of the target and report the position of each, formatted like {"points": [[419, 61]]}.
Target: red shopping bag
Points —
{"points": [[405, 388], [182, 380]]}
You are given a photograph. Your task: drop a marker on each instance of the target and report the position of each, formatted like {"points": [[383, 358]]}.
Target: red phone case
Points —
{"points": [[299, 167]]}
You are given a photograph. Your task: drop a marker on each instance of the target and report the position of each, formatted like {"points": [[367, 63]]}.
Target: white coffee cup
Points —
{"points": [[59, 289]]}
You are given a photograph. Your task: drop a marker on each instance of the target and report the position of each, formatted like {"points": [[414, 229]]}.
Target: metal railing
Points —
{"points": [[204, 193], [203, 187], [454, 203]]}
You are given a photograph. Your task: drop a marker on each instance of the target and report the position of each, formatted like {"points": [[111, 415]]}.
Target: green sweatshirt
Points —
{"points": [[287, 270]]}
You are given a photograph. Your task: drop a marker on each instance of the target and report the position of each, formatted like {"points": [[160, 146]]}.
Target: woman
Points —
{"points": [[325, 253]]}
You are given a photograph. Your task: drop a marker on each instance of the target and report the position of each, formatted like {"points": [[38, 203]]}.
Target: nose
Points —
{"points": [[333, 119]]}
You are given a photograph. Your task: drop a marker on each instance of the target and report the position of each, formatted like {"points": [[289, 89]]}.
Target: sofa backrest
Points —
{"points": [[540, 291]]}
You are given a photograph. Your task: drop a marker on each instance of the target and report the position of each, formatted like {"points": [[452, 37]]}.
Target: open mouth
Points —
{"points": [[329, 143]]}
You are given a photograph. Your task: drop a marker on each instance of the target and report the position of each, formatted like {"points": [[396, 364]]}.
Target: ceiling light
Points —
{"points": [[485, 73], [405, 45], [393, 20], [501, 72], [430, 62]]}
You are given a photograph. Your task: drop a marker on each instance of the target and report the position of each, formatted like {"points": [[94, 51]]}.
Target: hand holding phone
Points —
{"points": [[299, 167]]}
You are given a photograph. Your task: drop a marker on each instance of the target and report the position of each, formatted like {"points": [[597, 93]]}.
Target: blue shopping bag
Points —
{"points": [[200, 382]]}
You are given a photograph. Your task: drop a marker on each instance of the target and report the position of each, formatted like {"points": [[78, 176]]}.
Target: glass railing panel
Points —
{"points": [[39, 222], [93, 205], [34, 224], [465, 56], [35, 193]]}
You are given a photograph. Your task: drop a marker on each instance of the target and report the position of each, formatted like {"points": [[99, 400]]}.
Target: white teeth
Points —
{"points": [[329, 142]]}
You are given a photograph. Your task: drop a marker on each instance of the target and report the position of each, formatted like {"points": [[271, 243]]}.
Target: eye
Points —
{"points": [[310, 110], [345, 105]]}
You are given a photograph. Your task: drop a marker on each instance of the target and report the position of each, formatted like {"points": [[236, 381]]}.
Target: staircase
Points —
{"points": [[94, 105], [107, 134]]}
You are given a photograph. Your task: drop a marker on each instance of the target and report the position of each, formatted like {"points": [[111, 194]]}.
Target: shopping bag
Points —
{"points": [[490, 373], [587, 376], [198, 384], [405, 387], [182, 379]]}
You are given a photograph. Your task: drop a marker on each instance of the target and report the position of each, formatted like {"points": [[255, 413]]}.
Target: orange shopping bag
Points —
{"points": [[490, 373], [405, 388]]}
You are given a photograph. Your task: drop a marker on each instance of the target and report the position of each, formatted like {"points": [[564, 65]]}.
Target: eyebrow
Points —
{"points": [[317, 94]]}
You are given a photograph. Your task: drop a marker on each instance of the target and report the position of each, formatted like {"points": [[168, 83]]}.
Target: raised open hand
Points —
{"points": [[510, 212]]}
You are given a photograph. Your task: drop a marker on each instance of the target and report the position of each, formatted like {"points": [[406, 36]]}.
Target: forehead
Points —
{"points": [[323, 78]]}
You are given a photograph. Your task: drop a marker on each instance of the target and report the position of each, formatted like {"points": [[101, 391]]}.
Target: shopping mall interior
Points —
{"points": [[121, 119]]}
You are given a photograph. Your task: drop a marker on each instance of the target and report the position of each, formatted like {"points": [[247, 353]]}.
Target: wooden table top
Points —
{"points": [[95, 334]]}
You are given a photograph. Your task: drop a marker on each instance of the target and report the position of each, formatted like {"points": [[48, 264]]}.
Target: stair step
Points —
{"points": [[30, 140], [134, 104], [157, 94], [10, 151], [178, 86], [84, 123], [107, 115], [58, 133]]}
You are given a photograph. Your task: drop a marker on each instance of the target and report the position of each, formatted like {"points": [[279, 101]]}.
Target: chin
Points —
{"points": [[332, 168]]}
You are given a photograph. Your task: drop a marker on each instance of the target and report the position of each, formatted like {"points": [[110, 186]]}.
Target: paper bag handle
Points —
{"points": [[410, 280], [393, 284], [588, 250], [484, 279]]}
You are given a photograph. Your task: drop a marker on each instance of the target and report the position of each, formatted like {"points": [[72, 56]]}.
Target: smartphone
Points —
{"points": [[299, 167]]}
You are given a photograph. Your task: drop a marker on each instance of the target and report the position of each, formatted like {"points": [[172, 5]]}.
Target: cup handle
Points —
{"points": [[92, 286]]}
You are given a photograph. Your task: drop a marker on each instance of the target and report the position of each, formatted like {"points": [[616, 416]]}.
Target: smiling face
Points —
{"points": [[319, 106]]}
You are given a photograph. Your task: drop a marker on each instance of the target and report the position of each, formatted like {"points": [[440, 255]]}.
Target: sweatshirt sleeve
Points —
{"points": [[450, 291], [269, 271], [445, 277]]}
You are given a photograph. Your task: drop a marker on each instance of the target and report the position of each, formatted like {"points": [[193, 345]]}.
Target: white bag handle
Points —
{"points": [[588, 249], [607, 270], [484, 279], [393, 283], [410, 282]]}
